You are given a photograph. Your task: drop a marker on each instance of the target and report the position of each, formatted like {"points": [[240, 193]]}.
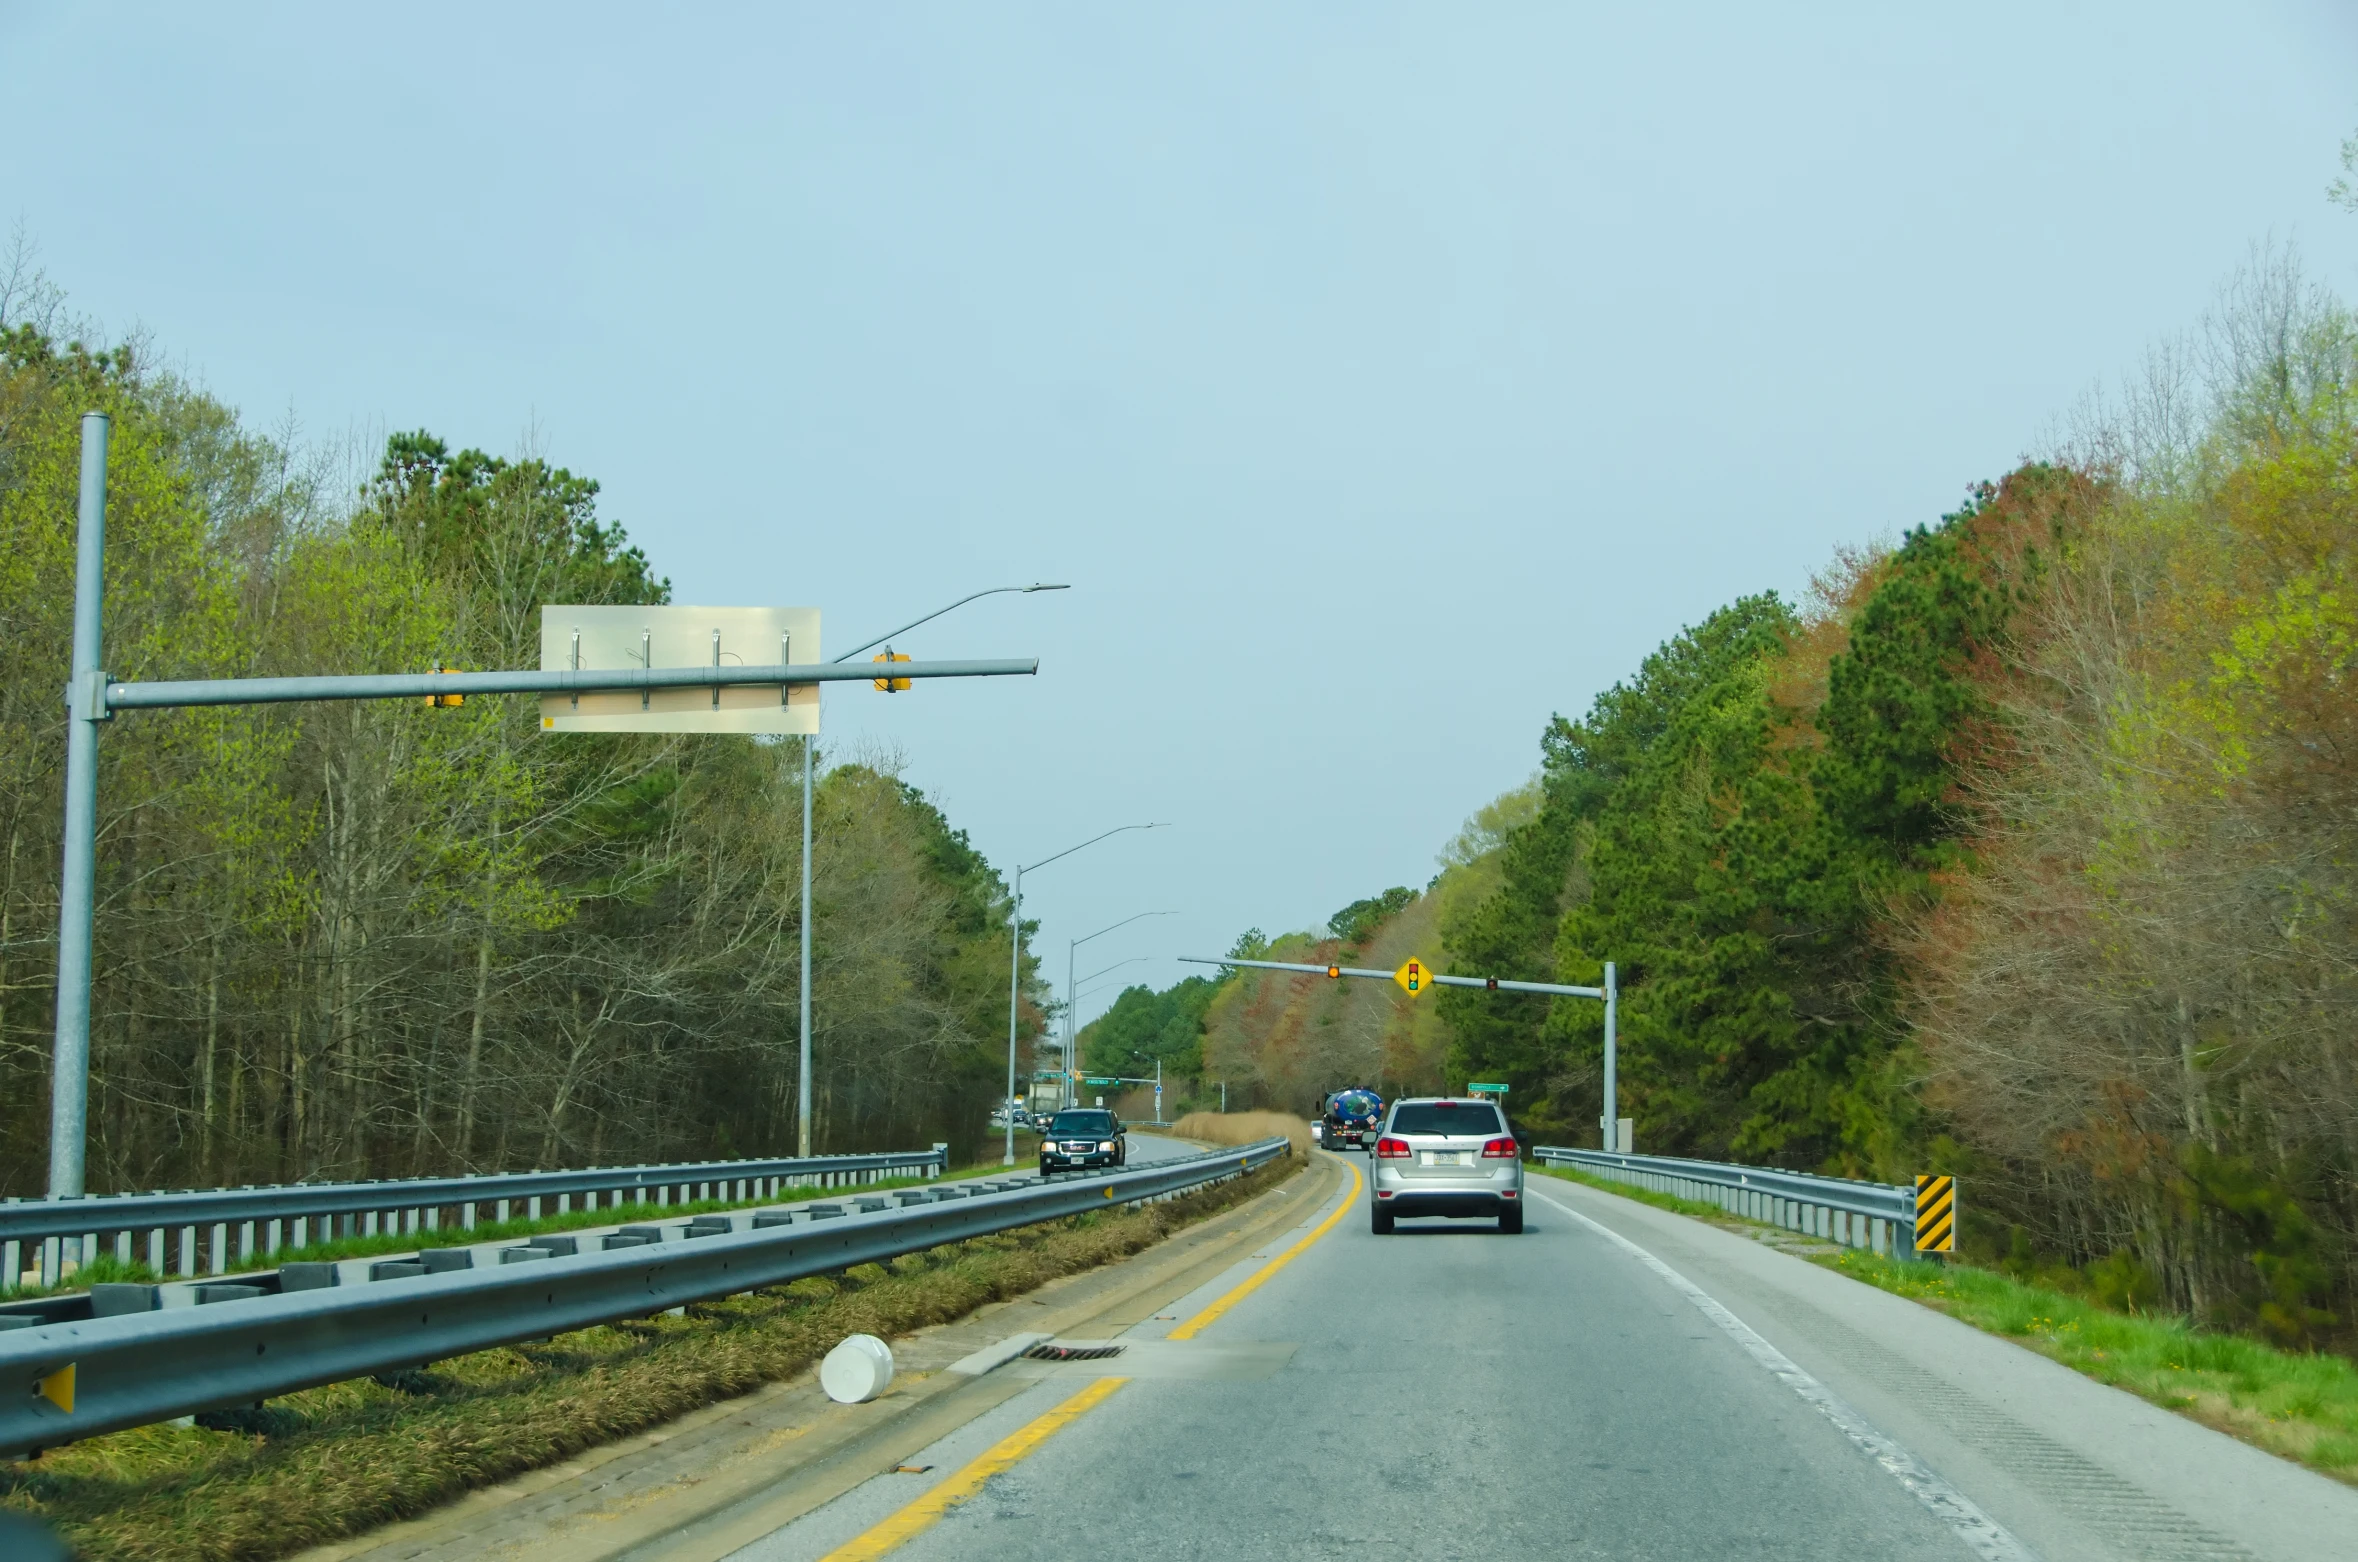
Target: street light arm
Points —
{"points": [[1034, 867], [1125, 922], [939, 611]]}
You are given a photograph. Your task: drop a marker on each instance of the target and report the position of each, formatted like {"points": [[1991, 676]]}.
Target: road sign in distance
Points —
{"points": [[1487, 1090], [1100, 1081], [608, 638], [1414, 976]]}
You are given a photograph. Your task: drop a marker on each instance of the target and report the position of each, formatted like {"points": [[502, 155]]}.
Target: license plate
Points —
{"points": [[1448, 1157]]}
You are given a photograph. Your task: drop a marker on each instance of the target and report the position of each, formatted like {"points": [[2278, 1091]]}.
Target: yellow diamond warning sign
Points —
{"points": [[1414, 977]]}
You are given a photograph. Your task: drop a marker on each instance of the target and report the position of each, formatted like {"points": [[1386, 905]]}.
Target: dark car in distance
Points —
{"points": [[1081, 1137]]}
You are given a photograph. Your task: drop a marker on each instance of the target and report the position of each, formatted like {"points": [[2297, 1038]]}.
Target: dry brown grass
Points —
{"points": [[338, 1460], [1244, 1128]]}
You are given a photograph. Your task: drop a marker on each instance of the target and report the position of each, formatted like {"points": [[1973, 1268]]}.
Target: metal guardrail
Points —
{"points": [[138, 1368], [210, 1230], [1856, 1214]]}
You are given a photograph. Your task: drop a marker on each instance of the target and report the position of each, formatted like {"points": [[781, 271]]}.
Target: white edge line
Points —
{"points": [[1983, 1535]]}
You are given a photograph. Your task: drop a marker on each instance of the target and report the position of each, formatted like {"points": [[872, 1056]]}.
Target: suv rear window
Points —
{"points": [[1081, 1123], [1446, 1117]]}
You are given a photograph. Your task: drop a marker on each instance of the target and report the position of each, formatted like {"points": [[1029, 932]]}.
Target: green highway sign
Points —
{"points": [[1100, 1081], [1488, 1090]]}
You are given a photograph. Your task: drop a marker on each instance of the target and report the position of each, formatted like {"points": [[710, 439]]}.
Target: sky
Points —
{"points": [[1382, 379]]}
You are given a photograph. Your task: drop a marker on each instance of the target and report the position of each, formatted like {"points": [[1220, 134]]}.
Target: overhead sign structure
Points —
{"points": [[611, 638], [1414, 976]]}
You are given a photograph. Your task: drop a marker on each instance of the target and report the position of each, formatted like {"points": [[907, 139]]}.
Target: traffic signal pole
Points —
{"points": [[92, 698], [1498, 984]]}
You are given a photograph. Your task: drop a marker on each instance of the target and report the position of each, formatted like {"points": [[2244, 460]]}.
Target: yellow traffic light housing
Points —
{"points": [[444, 701], [890, 685]]}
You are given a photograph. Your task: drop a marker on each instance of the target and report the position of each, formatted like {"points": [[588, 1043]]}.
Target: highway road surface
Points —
{"points": [[1613, 1383]]}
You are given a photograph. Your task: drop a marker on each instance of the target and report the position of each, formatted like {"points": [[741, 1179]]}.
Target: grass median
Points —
{"points": [[338, 1460], [2301, 1406]]}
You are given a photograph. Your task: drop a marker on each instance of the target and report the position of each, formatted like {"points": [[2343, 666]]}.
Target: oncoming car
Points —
{"points": [[1438, 1156], [1082, 1136]]}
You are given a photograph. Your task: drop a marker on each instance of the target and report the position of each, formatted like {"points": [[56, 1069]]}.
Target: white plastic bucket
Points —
{"points": [[857, 1370]]}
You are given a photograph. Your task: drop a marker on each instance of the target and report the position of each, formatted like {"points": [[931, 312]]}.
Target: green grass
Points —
{"points": [[2302, 1407], [334, 1461], [108, 1268]]}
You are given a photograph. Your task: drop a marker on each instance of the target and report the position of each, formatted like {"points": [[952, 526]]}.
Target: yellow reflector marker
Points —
{"points": [[926, 1511], [1936, 1214], [58, 1388]]}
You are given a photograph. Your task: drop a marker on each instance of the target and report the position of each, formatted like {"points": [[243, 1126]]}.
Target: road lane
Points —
{"points": [[1156, 1147], [1449, 1392]]}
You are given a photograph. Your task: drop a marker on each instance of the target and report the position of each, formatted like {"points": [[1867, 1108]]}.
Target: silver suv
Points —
{"points": [[1439, 1156]]}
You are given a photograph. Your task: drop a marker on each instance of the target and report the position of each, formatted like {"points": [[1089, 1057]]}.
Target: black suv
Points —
{"points": [[1082, 1136]]}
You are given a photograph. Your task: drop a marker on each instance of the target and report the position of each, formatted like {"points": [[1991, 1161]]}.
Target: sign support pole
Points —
{"points": [[1612, 1138], [802, 1091], [93, 698], [69, 1079]]}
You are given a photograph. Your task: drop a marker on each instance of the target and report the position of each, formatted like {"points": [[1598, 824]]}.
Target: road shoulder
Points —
{"points": [[748, 1465], [2077, 1468]]}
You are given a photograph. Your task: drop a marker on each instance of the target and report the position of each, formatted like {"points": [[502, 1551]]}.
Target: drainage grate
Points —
{"points": [[1072, 1352]]}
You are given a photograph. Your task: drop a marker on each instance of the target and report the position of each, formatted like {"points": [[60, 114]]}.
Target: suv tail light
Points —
{"points": [[1500, 1150], [1392, 1149]]}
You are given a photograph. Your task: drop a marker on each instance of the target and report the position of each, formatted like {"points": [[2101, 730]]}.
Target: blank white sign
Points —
{"points": [[628, 637]]}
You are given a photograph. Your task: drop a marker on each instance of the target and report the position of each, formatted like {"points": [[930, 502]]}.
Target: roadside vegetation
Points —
{"points": [[334, 1461], [367, 940], [2021, 847], [1244, 1128]]}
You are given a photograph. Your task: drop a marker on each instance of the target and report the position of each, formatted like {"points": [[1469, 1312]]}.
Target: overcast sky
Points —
{"points": [[1383, 379]]}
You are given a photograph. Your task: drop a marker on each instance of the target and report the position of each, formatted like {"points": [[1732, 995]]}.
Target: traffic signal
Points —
{"points": [[444, 701], [1335, 971], [890, 685]]}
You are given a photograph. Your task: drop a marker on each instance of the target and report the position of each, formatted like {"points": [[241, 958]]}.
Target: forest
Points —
{"points": [[2023, 847], [379, 939]]}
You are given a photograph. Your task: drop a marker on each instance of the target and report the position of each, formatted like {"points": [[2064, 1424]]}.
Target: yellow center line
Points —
{"points": [[1253, 1281], [926, 1511]]}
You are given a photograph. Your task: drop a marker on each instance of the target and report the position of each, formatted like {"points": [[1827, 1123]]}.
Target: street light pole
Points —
{"points": [[1015, 958], [802, 1135]]}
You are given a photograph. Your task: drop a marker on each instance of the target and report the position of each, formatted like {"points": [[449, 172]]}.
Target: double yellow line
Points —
{"points": [[926, 1511]]}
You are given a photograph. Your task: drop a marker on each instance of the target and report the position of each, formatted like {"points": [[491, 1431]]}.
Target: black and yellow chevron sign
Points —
{"points": [[1936, 1214]]}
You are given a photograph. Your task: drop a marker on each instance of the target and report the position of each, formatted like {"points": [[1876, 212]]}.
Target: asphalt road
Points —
{"points": [[1443, 1393]]}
